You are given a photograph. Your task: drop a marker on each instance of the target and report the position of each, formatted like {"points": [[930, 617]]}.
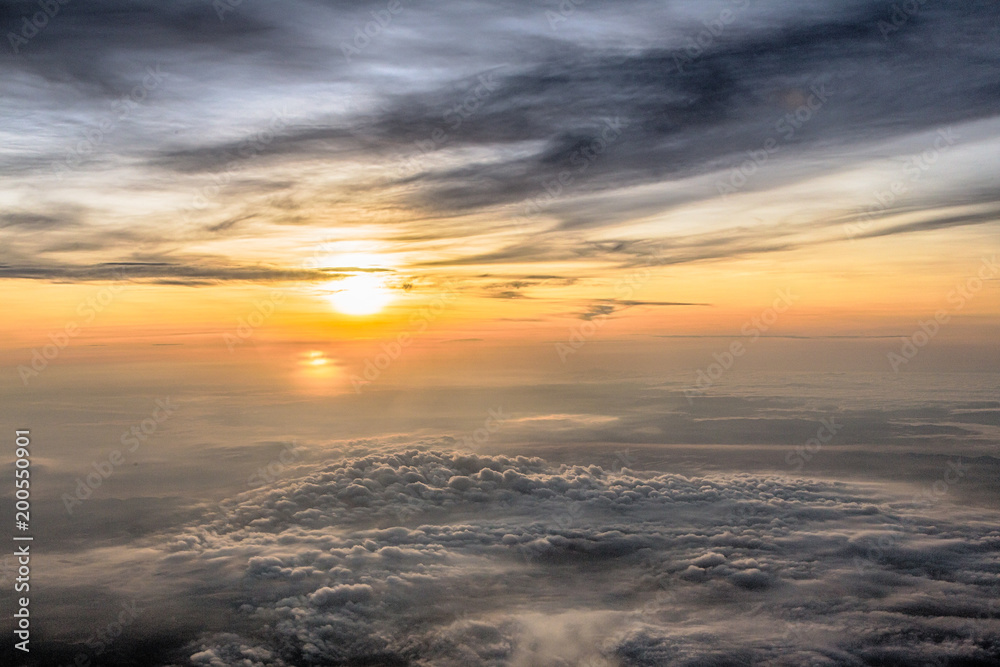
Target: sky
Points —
{"points": [[504, 333]]}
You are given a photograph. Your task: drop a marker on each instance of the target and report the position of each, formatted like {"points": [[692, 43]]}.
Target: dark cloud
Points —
{"points": [[942, 222], [37, 221], [99, 33], [166, 273], [605, 307], [728, 100]]}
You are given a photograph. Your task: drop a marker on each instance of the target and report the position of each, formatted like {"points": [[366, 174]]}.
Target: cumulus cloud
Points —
{"points": [[435, 557]]}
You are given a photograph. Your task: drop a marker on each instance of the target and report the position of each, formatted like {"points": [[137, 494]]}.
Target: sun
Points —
{"points": [[361, 294]]}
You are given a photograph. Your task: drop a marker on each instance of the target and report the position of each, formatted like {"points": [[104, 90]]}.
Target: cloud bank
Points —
{"points": [[435, 557]]}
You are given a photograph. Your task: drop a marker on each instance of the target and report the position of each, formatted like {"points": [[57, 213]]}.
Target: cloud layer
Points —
{"points": [[542, 136], [432, 557]]}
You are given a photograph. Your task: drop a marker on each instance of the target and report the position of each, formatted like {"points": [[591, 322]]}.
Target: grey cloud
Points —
{"points": [[942, 222], [597, 310], [165, 273], [723, 103], [609, 306], [35, 222], [546, 95]]}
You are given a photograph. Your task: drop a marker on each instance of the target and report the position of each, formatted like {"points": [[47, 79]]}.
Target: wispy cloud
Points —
{"points": [[551, 93]]}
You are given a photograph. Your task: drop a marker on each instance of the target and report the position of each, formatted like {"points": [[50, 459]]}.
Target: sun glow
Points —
{"points": [[361, 294], [316, 358]]}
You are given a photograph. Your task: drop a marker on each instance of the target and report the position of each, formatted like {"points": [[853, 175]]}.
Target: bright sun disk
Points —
{"points": [[361, 294]]}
